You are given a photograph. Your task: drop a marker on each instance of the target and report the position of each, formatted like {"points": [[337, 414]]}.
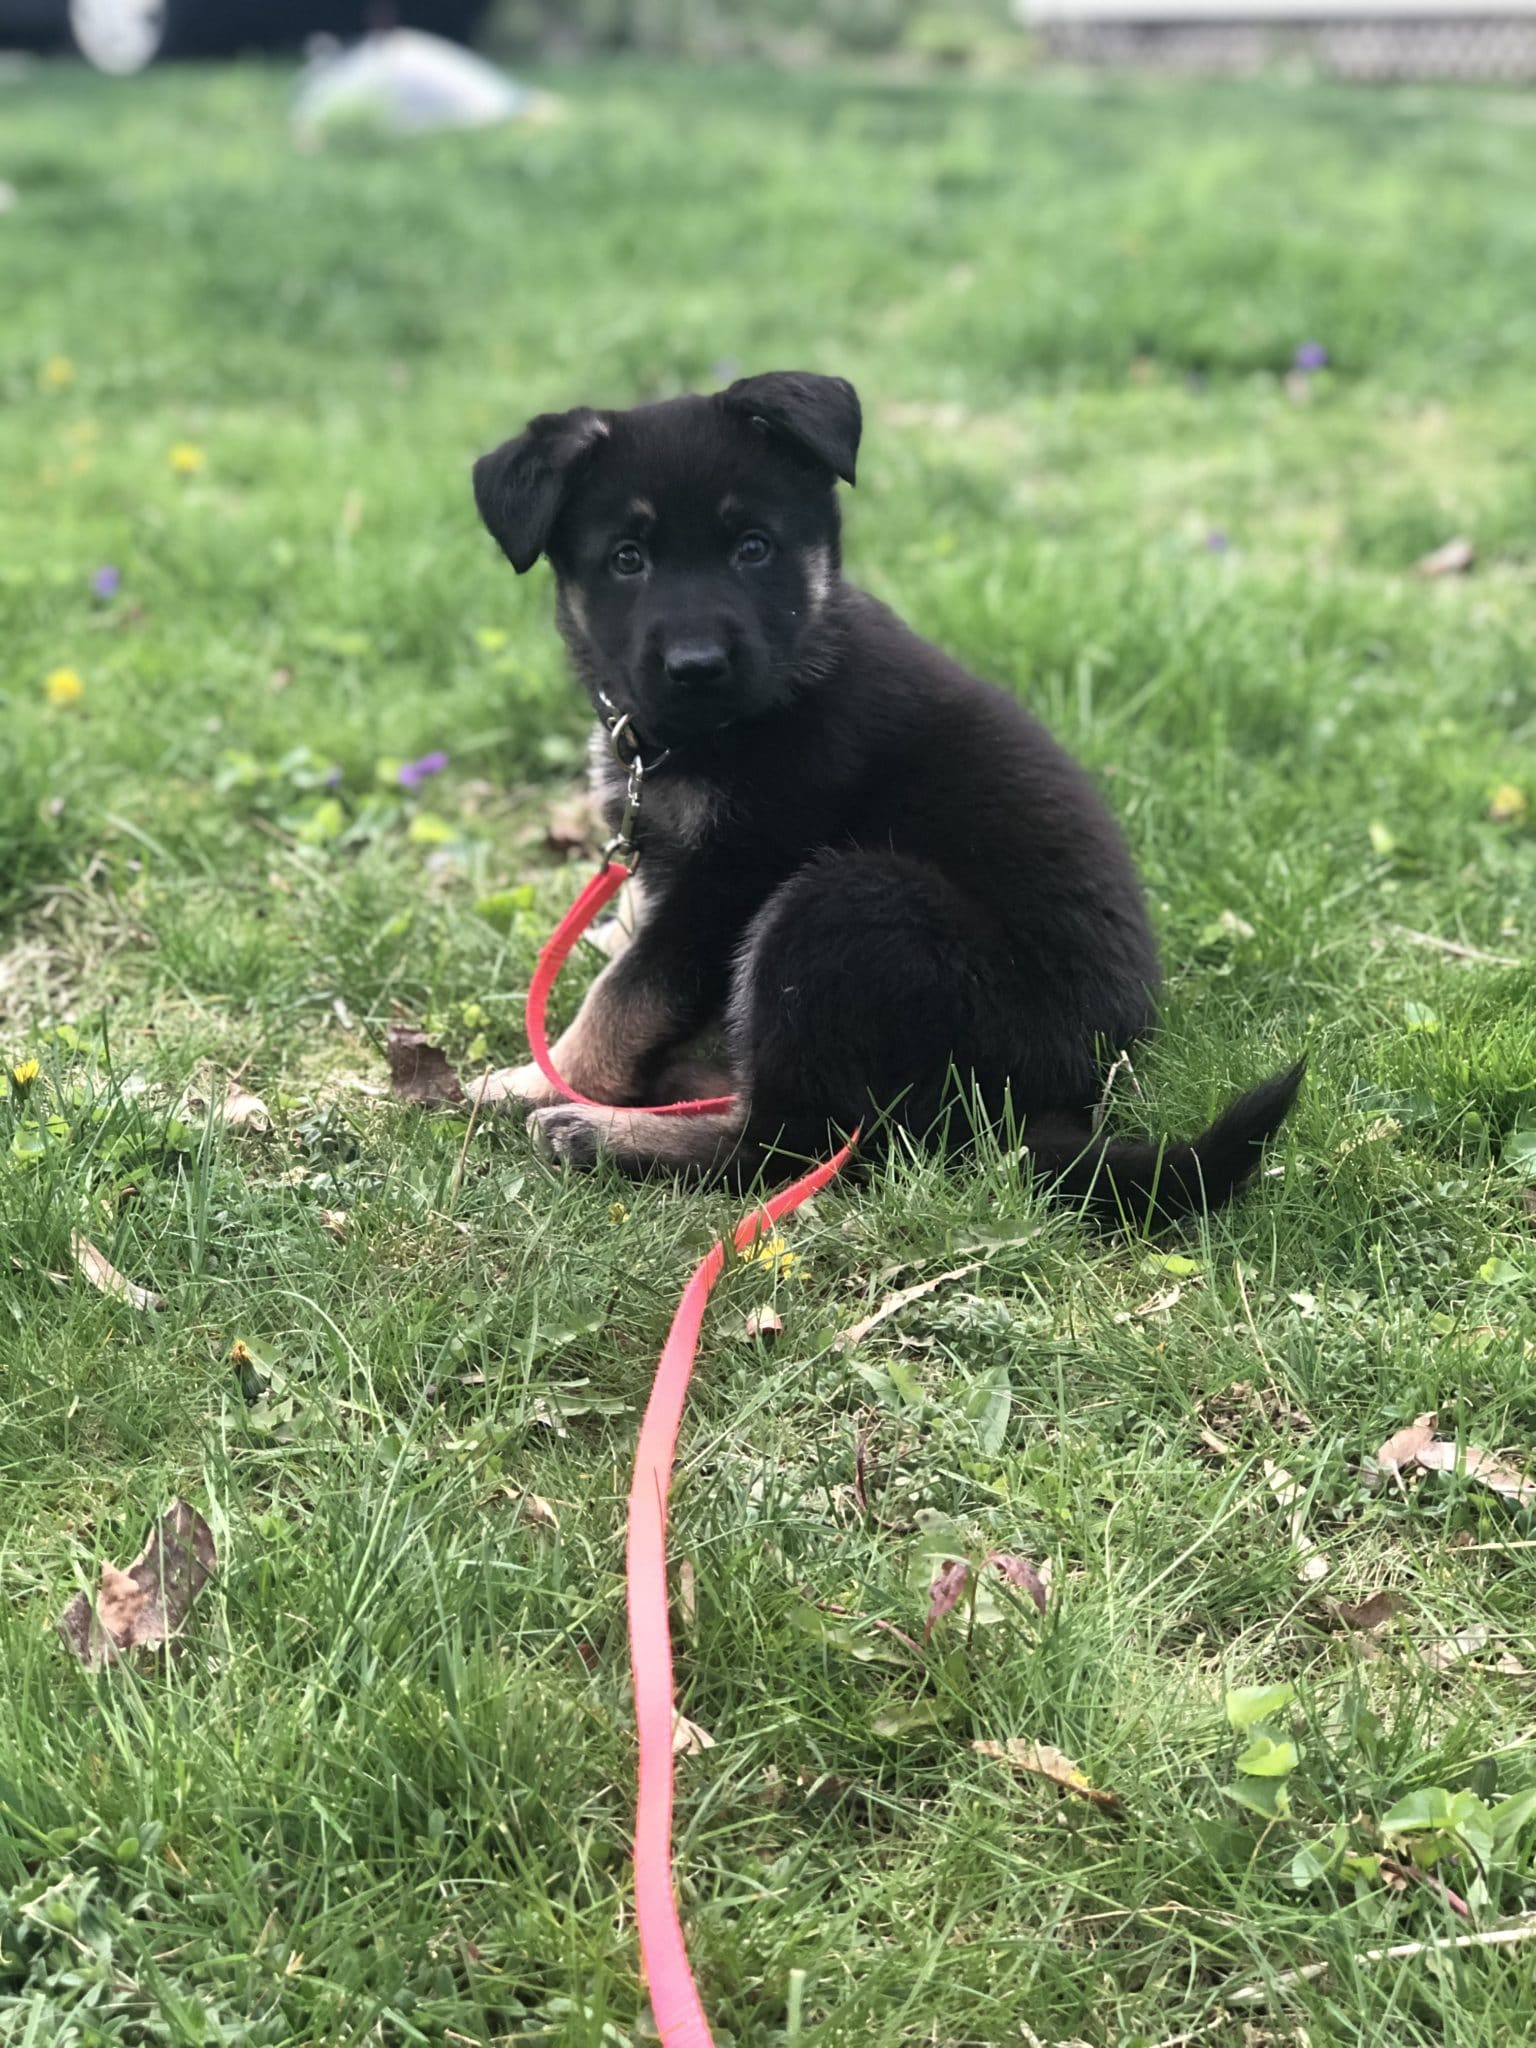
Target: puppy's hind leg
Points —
{"points": [[865, 980]]}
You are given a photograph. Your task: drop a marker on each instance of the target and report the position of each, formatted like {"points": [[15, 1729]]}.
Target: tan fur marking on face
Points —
{"points": [[818, 577], [575, 610]]}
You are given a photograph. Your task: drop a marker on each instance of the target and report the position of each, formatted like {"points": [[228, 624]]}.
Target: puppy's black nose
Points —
{"points": [[694, 663]]}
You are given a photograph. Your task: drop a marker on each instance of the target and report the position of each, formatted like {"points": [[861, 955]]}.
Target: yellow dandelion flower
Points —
{"points": [[491, 639], [618, 1213], [25, 1073], [240, 1352], [57, 374], [1508, 805], [63, 686], [186, 458], [772, 1251]]}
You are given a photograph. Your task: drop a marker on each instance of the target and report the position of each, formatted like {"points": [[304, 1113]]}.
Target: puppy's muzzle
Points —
{"points": [[696, 664]]}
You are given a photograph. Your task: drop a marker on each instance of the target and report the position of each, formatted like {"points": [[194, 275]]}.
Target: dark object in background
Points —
{"points": [[127, 35]]}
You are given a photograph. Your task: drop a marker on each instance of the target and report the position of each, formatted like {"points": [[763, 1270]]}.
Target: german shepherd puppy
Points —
{"points": [[882, 876]]}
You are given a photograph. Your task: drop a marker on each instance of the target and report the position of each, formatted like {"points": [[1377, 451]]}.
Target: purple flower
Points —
{"points": [[414, 773], [1311, 356], [104, 583], [333, 778], [1217, 541]]}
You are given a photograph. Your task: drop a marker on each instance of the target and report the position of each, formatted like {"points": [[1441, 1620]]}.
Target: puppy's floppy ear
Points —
{"points": [[820, 414], [520, 486]]}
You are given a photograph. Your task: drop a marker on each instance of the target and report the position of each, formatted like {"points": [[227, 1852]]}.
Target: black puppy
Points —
{"points": [[881, 874]]}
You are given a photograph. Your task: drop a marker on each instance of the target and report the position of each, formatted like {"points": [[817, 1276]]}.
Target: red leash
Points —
{"points": [[680, 2020]]}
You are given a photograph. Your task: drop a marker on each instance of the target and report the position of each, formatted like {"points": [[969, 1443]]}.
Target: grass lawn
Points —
{"points": [[384, 1793]]}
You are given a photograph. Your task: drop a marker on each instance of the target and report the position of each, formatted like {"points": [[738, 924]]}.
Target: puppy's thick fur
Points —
{"points": [[879, 873]]}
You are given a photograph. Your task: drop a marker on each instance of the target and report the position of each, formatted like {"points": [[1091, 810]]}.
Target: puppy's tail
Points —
{"points": [[1147, 1184]]}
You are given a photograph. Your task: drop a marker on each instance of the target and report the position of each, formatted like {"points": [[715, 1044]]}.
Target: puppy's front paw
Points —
{"points": [[567, 1134], [512, 1088]]}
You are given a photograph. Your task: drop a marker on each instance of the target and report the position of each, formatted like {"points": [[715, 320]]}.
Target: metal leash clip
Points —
{"points": [[624, 744]]}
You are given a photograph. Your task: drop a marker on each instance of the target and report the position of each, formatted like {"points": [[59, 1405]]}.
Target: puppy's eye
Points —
{"points": [[752, 550], [626, 560]]}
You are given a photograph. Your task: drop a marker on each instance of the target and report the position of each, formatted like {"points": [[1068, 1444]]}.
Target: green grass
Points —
{"points": [[384, 1794]]}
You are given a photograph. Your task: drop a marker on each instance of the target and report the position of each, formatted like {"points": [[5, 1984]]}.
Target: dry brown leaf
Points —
{"points": [[1373, 1612], [1450, 1651], [143, 1607], [1024, 1576], [335, 1221], [1406, 1446], [233, 1106], [763, 1324], [1455, 558], [1155, 1304], [105, 1277], [571, 826], [895, 1302], [949, 1583], [1041, 1761], [688, 1738], [419, 1072], [241, 1110], [1445, 1456]]}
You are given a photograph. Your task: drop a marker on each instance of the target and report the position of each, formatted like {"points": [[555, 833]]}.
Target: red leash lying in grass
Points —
{"points": [[675, 2000]]}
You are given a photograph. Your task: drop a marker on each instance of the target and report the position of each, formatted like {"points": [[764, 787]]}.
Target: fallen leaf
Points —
{"points": [[105, 1277], [895, 1302], [1445, 1456], [335, 1221], [1023, 1576], [571, 826], [1403, 1449], [1454, 558], [949, 1582], [1041, 1761], [419, 1073], [688, 1738], [1155, 1304], [235, 1107], [537, 1509], [1450, 1651], [763, 1324], [143, 1607], [1375, 1611]]}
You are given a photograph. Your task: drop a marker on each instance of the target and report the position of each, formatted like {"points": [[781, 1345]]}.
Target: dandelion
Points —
{"points": [[104, 583], [57, 374], [490, 639], [412, 774], [772, 1251], [1310, 356], [63, 686], [186, 458], [240, 1353], [24, 1073]]}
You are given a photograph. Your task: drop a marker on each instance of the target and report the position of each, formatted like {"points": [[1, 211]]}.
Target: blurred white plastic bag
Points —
{"points": [[403, 82]]}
